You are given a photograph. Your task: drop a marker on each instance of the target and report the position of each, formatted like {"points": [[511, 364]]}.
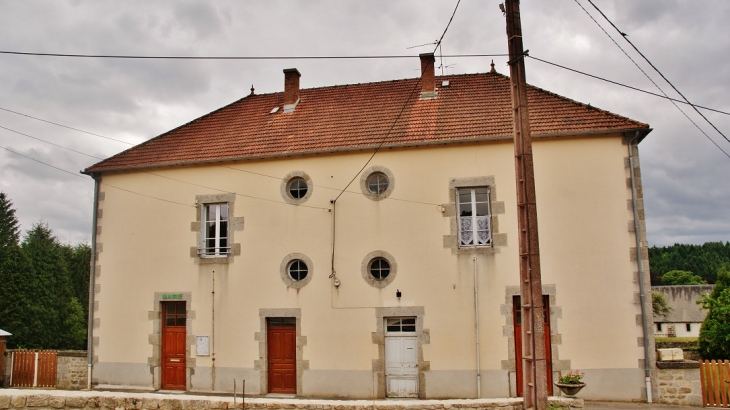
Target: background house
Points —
{"points": [[686, 316], [233, 247]]}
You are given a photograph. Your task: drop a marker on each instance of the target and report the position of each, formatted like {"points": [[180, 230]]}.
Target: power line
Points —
{"points": [[438, 43], [625, 36], [136, 57], [48, 142], [64, 126], [625, 85], [650, 79]]}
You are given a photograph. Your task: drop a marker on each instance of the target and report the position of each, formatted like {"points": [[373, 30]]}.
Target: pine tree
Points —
{"points": [[9, 226], [50, 287], [15, 297]]}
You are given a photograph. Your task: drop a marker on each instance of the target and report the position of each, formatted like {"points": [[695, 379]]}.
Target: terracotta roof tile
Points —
{"points": [[356, 116]]}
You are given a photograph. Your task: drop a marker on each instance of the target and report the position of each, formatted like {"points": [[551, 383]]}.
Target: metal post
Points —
{"points": [[533, 346]]}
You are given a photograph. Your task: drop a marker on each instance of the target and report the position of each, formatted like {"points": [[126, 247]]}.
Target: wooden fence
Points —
{"points": [[715, 381], [33, 368]]}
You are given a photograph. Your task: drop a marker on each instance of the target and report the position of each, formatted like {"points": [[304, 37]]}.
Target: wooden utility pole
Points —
{"points": [[533, 340]]}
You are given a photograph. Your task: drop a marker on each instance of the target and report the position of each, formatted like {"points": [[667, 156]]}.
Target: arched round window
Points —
{"points": [[379, 268], [378, 183], [297, 188], [297, 270]]}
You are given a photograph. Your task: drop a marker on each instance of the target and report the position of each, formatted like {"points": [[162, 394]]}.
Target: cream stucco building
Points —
{"points": [[221, 256]]}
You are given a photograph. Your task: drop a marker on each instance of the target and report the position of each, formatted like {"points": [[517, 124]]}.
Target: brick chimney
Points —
{"points": [[291, 89], [428, 79]]}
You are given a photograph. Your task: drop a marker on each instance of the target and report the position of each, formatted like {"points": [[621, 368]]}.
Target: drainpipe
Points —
{"points": [[642, 295], [92, 277], [476, 328]]}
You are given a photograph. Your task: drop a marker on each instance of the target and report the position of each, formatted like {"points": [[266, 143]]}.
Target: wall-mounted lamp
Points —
{"points": [[336, 282], [397, 293]]}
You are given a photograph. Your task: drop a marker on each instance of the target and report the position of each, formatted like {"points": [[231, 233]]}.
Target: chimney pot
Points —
{"points": [[428, 79], [291, 88]]}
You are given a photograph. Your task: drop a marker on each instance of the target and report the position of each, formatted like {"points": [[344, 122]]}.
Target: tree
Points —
{"points": [[714, 341], [9, 226], [78, 259], [659, 305], [681, 277], [15, 297], [50, 287]]}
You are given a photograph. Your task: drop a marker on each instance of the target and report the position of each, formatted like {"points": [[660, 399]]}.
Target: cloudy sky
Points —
{"points": [[687, 189]]}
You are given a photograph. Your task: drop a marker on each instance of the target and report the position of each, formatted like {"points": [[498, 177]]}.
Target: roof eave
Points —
{"points": [[626, 132]]}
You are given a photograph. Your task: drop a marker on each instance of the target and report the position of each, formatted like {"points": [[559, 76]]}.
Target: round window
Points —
{"points": [[297, 270], [379, 268], [297, 188], [377, 183]]}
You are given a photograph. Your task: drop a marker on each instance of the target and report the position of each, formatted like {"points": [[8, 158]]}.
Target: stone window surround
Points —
{"points": [[497, 208], [508, 331], [284, 270], [422, 335], [285, 187], [155, 338], [262, 363], [365, 269], [364, 182], [234, 224]]}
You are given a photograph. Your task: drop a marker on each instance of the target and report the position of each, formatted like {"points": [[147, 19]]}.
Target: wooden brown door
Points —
{"points": [[282, 352], [517, 315], [173, 345]]}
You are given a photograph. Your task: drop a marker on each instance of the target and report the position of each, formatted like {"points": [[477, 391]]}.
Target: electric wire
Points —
{"points": [[64, 126], [51, 143], [133, 57], [83, 177], [650, 79], [626, 86], [625, 36], [157, 175]]}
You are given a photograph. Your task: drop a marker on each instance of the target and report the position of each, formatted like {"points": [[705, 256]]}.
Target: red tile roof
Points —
{"points": [[473, 107]]}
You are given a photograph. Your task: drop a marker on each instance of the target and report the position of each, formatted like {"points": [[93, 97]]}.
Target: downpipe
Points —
{"points": [[476, 329], [92, 277], [642, 295]]}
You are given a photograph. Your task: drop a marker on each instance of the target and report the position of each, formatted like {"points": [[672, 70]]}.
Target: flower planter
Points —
{"points": [[570, 390]]}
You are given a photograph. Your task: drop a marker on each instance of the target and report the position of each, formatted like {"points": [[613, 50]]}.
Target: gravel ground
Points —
{"points": [[598, 405]]}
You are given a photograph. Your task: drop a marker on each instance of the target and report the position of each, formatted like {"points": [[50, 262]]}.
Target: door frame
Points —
{"points": [[423, 336], [155, 338], [261, 364]]}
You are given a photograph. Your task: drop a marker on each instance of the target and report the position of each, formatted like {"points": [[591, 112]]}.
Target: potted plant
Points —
{"points": [[570, 383]]}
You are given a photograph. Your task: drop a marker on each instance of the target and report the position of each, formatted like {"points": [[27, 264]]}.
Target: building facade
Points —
{"points": [[233, 247], [686, 316]]}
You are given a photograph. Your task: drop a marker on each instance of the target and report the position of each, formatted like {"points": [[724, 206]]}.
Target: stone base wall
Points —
{"points": [[47, 400], [72, 370], [679, 383]]}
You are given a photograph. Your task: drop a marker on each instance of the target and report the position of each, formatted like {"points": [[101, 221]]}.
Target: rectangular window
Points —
{"points": [[400, 325], [475, 225], [658, 327], [214, 224], [689, 327]]}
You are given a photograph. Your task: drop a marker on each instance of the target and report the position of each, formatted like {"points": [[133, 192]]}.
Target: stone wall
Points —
{"points": [[46, 400], [72, 370], [679, 383]]}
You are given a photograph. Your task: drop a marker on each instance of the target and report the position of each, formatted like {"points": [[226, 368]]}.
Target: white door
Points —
{"points": [[401, 359]]}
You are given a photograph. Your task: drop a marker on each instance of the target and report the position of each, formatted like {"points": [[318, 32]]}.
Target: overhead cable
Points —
{"points": [[625, 36], [652, 81], [134, 57]]}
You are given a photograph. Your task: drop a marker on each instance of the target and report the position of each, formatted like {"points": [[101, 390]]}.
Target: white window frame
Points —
{"points": [[217, 250], [474, 224], [401, 332]]}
